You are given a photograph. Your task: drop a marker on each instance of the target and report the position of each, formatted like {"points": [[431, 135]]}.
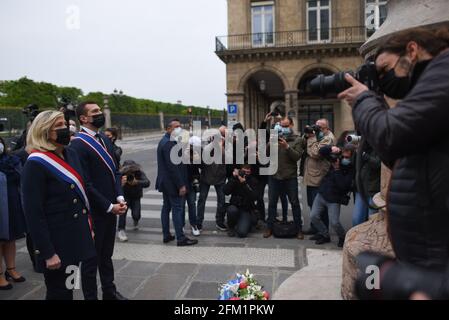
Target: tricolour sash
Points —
{"points": [[63, 171], [96, 146]]}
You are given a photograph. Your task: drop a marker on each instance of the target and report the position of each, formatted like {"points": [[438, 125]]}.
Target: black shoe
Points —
{"points": [[316, 237], [113, 296], [187, 242], [170, 238], [7, 287], [341, 242], [284, 220], [323, 240], [9, 277], [231, 233], [199, 226], [221, 226], [310, 232]]}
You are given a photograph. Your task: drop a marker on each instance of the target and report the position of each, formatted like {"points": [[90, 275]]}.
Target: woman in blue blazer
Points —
{"points": [[55, 205]]}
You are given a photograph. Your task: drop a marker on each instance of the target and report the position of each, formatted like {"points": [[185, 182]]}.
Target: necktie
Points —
{"points": [[100, 140]]}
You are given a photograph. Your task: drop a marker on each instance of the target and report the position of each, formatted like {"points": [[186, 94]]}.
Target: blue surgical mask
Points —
{"points": [[286, 131], [277, 127], [320, 136], [2, 148], [345, 162]]}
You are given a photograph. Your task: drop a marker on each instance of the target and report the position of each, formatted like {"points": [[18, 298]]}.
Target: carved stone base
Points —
{"points": [[371, 235]]}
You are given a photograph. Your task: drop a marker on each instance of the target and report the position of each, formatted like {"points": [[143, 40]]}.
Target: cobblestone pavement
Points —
{"points": [[145, 268]]}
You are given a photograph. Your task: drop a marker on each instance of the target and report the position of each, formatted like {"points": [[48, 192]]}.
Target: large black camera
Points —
{"points": [[382, 278], [312, 129], [333, 85], [68, 108], [31, 111]]}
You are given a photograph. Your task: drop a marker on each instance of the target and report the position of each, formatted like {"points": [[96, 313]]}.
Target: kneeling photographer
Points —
{"points": [[134, 181], [412, 65], [241, 212], [333, 192]]}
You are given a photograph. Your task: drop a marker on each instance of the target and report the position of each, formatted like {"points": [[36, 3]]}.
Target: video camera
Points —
{"points": [[31, 111], [333, 85], [396, 280], [68, 108]]}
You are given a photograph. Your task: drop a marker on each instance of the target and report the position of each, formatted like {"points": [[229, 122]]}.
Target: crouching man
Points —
{"points": [[241, 212]]}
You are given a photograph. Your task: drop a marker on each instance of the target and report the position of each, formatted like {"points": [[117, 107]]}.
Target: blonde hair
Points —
{"points": [[39, 131]]}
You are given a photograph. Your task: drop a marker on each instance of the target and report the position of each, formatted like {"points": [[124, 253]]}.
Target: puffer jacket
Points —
{"points": [[315, 166], [412, 140]]}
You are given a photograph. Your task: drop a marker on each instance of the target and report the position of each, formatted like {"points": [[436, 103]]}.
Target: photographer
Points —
{"points": [[333, 192], [315, 166], [286, 178], [134, 181], [275, 117], [411, 139], [241, 213]]}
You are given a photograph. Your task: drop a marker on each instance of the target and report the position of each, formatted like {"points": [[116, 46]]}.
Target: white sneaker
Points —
{"points": [[122, 236], [136, 226], [195, 231]]}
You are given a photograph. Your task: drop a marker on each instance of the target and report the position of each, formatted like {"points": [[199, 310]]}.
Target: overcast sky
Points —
{"points": [[157, 49]]}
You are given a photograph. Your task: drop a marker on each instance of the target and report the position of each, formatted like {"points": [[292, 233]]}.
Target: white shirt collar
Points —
{"points": [[91, 132]]}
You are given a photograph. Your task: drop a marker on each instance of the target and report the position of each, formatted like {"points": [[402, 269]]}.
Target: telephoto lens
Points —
{"points": [[353, 139]]}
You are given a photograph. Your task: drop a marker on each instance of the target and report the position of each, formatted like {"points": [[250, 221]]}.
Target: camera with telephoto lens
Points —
{"points": [[353, 139], [382, 278], [242, 174], [130, 178], [335, 84], [314, 129], [67, 107], [31, 111], [196, 185]]}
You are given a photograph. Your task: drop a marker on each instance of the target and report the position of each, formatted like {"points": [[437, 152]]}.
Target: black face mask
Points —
{"points": [[393, 86], [63, 136], [418, 71], [98, 120]]}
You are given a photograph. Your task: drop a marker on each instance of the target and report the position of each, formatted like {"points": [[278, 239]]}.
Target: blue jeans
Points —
{"points": [[175, 204], [311, 194], [333, 209], [361, 211], [191, 204], [204, 192], [275, 189]]}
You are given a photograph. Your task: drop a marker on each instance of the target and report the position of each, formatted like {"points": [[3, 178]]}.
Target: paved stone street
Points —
{"points": [[147, 269]]}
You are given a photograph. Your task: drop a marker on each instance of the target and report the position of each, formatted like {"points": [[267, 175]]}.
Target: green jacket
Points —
{"points": [[288, 158]]}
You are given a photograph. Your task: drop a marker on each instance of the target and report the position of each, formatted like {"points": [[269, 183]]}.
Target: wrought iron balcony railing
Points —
{"points": [[285, 39]]}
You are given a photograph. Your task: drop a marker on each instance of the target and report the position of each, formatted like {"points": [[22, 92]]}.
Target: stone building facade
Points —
{"points": [[274, 48]]}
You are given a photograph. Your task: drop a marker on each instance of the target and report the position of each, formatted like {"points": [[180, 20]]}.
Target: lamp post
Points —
{"points": [[107, 111], [115, 95], [208, 117]]}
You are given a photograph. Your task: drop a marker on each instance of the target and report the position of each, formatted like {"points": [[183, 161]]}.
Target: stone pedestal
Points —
{"points": [[369, 236]]}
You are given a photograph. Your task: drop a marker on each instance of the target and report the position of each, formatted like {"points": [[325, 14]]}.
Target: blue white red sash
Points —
{"points": [[63, 171], [98, 148]]}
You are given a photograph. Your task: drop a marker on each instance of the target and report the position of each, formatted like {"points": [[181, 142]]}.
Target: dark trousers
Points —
{"points": [[176, 205], [311, 195], [204, 192], [136, 208], [275, 189], [55, 281], [241, 220], [104, 229], [260, 204], [30, 248], [191, 205]]}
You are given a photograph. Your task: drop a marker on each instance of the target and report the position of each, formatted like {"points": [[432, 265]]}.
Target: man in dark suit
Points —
{"points": [[105, 194], [172, 182]]}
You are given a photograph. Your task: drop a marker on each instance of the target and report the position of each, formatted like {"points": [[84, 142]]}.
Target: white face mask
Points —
{"points": [[2, 148], [177, 131]]}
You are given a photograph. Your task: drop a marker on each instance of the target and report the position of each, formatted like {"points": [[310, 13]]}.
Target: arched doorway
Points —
{"points": [[261, 91], [311, 107]]}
